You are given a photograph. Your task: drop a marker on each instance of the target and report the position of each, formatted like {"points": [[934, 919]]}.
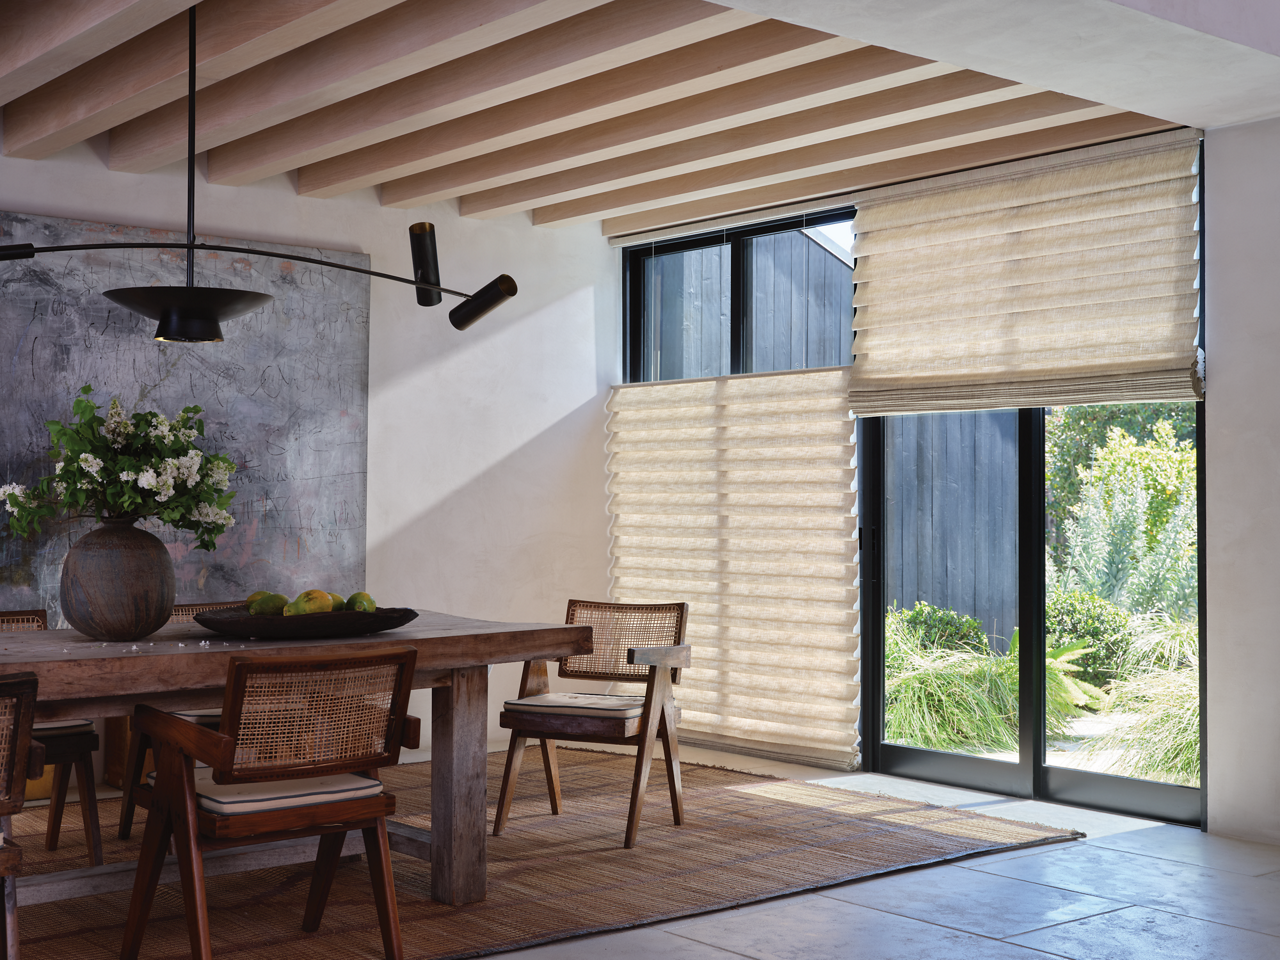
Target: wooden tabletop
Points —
{"points": [[185, 665]]}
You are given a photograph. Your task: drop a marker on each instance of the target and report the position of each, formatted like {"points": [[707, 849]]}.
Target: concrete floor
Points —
{"points": [[1135, 889]]}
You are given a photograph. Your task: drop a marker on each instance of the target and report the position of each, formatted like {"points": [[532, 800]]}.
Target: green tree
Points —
{"points": [[1074, 434]]}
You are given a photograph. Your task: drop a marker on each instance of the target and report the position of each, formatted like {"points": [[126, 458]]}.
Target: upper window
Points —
{"points": [[774, 296]]}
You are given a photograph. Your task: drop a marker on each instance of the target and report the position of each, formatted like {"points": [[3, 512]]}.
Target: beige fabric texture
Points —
{"points": [[1067, 279], [735, 494]]}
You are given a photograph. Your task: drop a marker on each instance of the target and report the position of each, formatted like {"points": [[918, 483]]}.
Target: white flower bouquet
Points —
{"points": [[128, 467]]}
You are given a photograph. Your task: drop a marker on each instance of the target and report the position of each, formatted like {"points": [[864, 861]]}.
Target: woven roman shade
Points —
{"points": [[735, 494], [1058, 280]]}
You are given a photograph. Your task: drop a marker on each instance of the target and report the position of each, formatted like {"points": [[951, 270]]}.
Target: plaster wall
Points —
{"points": [[1242, 290], [486, 480]]}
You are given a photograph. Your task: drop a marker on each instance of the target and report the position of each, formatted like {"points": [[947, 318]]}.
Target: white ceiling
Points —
{"points": [[1204, 63]]}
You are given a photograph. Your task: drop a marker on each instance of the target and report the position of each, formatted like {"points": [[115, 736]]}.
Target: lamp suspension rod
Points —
{"points": [[191, 146], [26, 251]]}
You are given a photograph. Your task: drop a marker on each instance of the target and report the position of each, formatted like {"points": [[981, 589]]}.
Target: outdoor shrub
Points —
{"points": [[966, 699], [1109, 555], [946, 699], [1072, 616], [941, 629], [1158, 642], [1161, 741]]}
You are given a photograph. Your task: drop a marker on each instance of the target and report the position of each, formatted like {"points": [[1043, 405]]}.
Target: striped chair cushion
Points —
{"points": [[580, 705], [54, 728], [231, 799]]}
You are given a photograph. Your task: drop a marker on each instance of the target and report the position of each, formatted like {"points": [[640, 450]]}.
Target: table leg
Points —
{"points": [[459, 774]]}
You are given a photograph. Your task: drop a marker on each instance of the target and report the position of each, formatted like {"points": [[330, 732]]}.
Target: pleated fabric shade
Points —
{"points": [[1063, 279], [735, 494]]}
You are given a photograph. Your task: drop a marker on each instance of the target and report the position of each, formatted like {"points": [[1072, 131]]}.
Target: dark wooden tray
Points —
{"points": [[238, 622]]}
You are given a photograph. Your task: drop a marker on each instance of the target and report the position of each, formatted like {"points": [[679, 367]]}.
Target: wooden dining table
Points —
{"points": [[184, 666]]}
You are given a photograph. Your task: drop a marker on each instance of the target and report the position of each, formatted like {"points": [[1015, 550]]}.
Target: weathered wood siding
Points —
{"points": [[799, 303], [951, 515], [690, 293]]}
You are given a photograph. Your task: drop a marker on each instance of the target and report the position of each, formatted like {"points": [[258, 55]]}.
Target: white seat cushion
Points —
{"points": [[53, 728], [206, 716], [231, 799], [580, 705]]}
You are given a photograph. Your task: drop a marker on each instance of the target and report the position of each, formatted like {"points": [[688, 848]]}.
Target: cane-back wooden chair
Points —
{"points": [[296, 755], [631, 643], [121, 734], [186, 612], [69, 745], [20, 758]]}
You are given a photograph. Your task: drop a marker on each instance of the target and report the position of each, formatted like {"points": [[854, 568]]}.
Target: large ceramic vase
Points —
{"points": [[117, 583]]}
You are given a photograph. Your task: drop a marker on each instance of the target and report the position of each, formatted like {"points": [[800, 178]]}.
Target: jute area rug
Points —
{"points": [[746, 838]]}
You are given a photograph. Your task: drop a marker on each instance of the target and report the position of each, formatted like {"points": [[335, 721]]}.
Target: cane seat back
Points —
{"points": [[186, 612], [617, 628], [17, 621]]}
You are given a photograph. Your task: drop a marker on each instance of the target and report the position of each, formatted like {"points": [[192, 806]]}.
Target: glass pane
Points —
{"points": [[799, 298], [951, 582], [1121, 618], [686, 313]]}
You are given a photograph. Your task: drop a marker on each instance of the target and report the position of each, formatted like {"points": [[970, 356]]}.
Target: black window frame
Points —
{"points": [[633, 257]]}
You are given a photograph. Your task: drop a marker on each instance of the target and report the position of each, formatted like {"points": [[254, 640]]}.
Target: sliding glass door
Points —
{"points": [[1032, 590]]}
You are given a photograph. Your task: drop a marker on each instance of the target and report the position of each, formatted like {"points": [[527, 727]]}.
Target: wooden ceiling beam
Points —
{"points": [[754, 51], [402, 40], [743, 108], [43, 40], [922, 136], [571, 49], [895, 108], [150, 70], [1068, 136]]}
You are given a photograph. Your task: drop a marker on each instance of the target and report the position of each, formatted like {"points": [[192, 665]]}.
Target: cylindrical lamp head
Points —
{"points": [[494, 293], [176, 328], [426, 266]]}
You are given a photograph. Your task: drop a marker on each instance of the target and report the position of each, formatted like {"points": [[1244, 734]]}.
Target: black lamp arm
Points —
{"points": [[27, 251]]}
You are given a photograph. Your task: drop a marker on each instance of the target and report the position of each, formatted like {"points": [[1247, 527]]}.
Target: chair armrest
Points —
{"points": [[678, 656], [209, 746], [412, 736], [35, 760]]}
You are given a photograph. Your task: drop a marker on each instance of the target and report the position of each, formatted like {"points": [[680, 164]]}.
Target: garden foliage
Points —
{"points": [[1074, 434], [966, 699], [1075, 617]]}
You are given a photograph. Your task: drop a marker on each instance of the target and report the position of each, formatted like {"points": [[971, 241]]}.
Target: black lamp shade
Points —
{"points": [[426, 266], [493, 294], [189, 314]]}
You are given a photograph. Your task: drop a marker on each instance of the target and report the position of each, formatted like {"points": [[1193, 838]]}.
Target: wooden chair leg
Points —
{"points": [[378, 851], [326, 867], [138, 745], [187, 842], [552, 769], [671, 750], [515, 754], [657, 695], [57, 802], [11, 918], [155, 843], [644, 759], [89, 807]]}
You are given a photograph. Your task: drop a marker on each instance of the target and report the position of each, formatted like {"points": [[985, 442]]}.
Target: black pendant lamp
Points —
{"points": [[191, 314]]}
